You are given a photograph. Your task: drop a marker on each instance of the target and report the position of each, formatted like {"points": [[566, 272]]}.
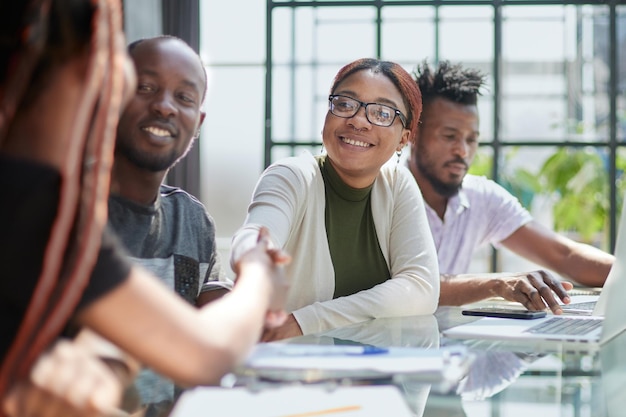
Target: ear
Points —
{"points": [[202, 116], [406, 136]]}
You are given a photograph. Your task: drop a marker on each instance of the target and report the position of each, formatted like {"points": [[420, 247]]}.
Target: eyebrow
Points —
{"points": [[454, 129], [379, 100], [153, 73]]}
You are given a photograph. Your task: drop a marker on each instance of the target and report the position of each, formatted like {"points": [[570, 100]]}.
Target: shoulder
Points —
{"points": [[302, 168], [397, 177], [169, 193], [178, 200], [477, 182], [305, 162], [491, 199], [481, 185]]}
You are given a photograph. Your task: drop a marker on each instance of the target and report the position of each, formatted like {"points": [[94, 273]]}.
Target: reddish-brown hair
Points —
{"points": [[403, 81], [74, 243]]}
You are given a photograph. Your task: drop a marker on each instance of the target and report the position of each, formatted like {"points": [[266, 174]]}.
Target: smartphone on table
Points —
{"points": [[507, 313]]}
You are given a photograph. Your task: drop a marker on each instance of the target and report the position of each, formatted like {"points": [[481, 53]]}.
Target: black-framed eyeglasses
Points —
{"points": [[376, 113]]}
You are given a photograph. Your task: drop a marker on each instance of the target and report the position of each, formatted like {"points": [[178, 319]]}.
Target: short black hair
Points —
{"points": [[450, 81], [131, 46]]}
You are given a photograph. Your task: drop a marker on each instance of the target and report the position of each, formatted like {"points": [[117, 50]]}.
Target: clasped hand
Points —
{"points": [[272, 261]]}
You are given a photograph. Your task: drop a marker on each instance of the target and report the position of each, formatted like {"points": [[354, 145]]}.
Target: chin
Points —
{"points": [[447, 189]]}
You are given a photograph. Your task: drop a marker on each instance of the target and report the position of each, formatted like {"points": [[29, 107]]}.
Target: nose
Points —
{"points": [[163, 104], [462, 148], [359, 120]]}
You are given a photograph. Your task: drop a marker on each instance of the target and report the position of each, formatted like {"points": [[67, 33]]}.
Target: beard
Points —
{"points": [[147, 161], [444, 189]]}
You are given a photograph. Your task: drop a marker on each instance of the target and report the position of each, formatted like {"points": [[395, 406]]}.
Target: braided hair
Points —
{"points": [[38, 34]]}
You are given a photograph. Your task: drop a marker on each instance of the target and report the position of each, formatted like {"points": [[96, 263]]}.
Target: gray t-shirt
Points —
{"points": [[174, 238]]}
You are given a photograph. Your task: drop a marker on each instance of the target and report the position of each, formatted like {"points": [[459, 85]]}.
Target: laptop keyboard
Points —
{"points": [[566, 325], [585, 291], [589, 305]]}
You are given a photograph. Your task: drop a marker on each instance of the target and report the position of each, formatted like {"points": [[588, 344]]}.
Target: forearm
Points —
{"points": [[575, 261], [535, 290], [191, 346], [396, 297], [586, 265], [244, 239], [278, 196], [463, 289], [245, 308]]}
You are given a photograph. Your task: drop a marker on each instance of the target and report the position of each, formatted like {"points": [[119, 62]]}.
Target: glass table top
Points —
{"points": [[503, 379]]}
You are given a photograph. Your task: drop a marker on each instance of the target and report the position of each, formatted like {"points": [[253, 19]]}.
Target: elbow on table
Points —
{"points": [[427, 299], [427, 305], [415, 306], [415, 296]]}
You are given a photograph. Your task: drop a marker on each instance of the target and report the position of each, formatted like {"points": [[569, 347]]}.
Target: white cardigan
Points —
{"points": [[289, 200]]}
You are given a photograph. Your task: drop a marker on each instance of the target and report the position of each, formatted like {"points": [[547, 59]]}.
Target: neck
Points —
{"points": [[135, 184], [435, 200], [354, 181]]}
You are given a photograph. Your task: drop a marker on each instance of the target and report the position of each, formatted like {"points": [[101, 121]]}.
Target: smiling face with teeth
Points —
{"points": [[160, 122], [356, 148]]}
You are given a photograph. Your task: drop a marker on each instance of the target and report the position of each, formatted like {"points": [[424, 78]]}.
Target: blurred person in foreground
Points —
{"points": [[64, 78]]}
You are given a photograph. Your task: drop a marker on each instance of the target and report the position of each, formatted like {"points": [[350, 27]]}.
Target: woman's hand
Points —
{"points": [[290, 328], [271, 262], [66, 381]]}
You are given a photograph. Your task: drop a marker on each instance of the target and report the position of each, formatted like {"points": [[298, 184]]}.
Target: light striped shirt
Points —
{"points": [[482, 212]]}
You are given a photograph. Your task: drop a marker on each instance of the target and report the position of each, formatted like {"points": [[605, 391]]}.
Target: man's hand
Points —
{"points": [[534, 290], [67, 381], [290, 328]]}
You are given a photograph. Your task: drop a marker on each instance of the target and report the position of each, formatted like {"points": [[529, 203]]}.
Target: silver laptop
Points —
{"points": [[607, 320], [583, 301], [581, 304]]}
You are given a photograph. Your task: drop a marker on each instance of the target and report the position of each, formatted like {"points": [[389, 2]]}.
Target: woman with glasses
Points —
{"points": [[355, 227]]}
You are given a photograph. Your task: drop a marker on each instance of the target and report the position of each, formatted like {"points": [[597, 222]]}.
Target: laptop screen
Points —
{"points": [[611, 303]]}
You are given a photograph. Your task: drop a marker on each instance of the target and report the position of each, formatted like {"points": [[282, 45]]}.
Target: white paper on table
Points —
{"points": [[446, 363], [292, 401]]}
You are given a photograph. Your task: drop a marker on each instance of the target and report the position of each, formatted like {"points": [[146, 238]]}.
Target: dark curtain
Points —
{"points": [[181, 18]]}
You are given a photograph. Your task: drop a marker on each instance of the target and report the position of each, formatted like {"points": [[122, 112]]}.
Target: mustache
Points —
{"points": [[458, 161]]}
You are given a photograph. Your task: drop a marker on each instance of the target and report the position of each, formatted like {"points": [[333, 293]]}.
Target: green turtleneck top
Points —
{"points": [[357, 260]]}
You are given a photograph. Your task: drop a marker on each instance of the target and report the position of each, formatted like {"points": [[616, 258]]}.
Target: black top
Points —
{"points": [[30, 196]]}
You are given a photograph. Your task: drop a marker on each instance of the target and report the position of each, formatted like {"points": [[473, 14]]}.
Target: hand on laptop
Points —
{"points": [[535, 290]]}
